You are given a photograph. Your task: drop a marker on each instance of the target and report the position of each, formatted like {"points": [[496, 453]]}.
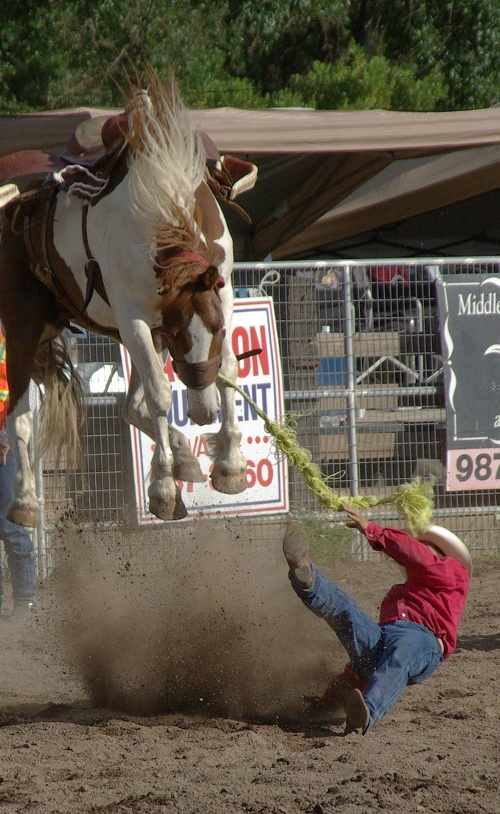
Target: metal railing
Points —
{"points": [[363, 377]]}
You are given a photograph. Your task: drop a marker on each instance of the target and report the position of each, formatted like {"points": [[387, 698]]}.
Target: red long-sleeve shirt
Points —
{"points": [[436, 588]]}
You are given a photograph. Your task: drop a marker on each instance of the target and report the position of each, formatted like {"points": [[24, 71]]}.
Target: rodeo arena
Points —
{"points": [[208, 451]]}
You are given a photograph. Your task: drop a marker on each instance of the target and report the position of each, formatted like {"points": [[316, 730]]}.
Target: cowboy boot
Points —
{"points": [[296, 553], [357, 713]]}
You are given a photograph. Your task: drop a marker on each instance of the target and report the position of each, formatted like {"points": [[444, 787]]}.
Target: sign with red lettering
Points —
{"points": [[260, 376]]}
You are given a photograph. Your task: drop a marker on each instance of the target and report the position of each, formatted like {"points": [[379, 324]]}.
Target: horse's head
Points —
{"points": [[192, 324]]}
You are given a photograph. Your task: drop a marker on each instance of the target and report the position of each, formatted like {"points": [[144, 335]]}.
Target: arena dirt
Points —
{"points": [[174, 682], [208, 622]]}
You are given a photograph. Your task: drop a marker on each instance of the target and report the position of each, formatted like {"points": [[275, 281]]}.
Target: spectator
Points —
{"points": [[17, 541]]}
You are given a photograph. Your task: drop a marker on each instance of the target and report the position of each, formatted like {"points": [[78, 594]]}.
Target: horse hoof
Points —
{"points": [[23, 515], [167, 509], [189, 471], [180, 511], [228, 484]]}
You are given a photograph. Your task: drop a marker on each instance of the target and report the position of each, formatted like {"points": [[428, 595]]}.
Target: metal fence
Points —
{"points": [[363, 376]]}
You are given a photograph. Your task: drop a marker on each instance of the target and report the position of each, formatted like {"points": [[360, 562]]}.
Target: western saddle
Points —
{"points": [[24, 174], [92, 163]]}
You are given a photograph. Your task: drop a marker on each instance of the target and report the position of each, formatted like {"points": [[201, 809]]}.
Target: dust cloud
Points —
{"points": [[201, 619]]}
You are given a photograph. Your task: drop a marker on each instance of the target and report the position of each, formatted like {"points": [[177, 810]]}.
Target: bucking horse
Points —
{"points": [[123, 234]]}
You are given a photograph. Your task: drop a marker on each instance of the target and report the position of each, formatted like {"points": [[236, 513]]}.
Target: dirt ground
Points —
{"points": [[210, 653]]}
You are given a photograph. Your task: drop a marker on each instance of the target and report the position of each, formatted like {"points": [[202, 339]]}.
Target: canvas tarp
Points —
{"points": [[324, 175]]}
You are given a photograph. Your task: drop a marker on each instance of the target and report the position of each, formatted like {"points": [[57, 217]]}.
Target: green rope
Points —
{"points": [[413, 500]]}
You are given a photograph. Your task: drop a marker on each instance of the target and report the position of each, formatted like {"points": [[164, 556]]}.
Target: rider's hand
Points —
{"points": [[356, 520], [4, 447]]}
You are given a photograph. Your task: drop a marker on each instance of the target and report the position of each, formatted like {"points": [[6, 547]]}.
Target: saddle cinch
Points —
{"points": [[95, 142]]}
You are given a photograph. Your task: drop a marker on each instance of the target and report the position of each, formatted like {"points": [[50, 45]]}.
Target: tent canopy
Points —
{"points": [[325, 175]]}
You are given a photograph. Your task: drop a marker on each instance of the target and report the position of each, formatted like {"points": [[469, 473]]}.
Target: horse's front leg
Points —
{"points": [[186, 466], [24, 510], [229, 468], [164, 497]]}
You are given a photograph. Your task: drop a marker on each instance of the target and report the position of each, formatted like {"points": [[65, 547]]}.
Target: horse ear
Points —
{"points": [[211, 278]]}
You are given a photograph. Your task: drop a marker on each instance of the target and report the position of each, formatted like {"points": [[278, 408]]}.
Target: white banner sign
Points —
{"points": [[253, 326]]}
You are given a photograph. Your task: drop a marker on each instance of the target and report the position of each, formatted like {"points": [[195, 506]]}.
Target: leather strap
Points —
{"points": [[220, 184], [246, 354], [92, 268], [198, 375], [48, 267]]}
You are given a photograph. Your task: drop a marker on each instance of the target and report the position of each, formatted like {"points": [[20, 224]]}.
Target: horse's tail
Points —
{"points": [[62, 415]]}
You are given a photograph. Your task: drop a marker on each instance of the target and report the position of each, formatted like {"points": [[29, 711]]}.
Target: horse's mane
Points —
{"points": [[166, 166]]}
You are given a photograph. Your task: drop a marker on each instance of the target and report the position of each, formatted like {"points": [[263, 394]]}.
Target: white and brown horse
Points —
{"points": [[130, 242]]}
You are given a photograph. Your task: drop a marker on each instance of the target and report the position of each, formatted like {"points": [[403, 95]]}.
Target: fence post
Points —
{"points": [[351, 382], [40, 533], [352, 444]]}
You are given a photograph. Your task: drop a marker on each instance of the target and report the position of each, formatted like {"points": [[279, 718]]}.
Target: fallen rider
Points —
{"points": [[418, 622]]}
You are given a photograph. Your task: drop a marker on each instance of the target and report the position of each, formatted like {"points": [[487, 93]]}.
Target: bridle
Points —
{"points": [[195, 375], [198, 375]]}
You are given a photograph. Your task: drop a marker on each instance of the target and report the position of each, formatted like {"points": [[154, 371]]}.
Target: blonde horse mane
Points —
{"points": [[167, 165]]}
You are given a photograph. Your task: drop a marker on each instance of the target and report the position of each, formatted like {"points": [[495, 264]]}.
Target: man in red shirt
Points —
{"points": [[418, 621]]}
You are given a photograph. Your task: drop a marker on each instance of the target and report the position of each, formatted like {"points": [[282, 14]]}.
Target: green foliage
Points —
{"points": [[115, 39], [400, 54], [27, 61], [357, 81], [273, 39], [460, 37], [230, 91]]}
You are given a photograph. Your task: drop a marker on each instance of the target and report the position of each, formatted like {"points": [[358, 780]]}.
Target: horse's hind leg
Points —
{"points": [[24, 510], [26, 307], [23, 329], [22, 340]]}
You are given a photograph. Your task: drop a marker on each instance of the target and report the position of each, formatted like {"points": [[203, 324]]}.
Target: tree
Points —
{"points": [[28, 60], [461, 38], [357, 81], [406, 54], [112, 39], [270, 40]]}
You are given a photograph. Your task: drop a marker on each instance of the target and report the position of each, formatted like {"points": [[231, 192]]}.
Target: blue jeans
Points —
{"points": [[17, 541], [387, 657]]}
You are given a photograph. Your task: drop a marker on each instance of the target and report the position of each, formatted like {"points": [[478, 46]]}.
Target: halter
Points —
{"points": [[195, 375], [198, 375]]}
